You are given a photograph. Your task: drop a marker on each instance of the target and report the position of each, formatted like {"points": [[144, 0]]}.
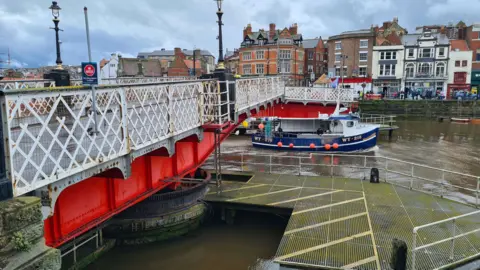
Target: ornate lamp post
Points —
{"points": [[56, 13], [221, 64]]}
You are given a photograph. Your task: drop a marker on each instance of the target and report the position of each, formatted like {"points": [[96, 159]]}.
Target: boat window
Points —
{"points": [[350, 124]]}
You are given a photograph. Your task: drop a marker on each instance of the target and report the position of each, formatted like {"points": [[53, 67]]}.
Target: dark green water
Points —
{"points": [[254, 238]]}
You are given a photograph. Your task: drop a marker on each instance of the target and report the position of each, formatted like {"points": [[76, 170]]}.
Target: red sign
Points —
{"points": [[89, 70]]}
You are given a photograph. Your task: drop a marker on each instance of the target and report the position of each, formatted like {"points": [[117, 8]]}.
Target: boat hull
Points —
{"points": [[460, 120], [360, 142]]}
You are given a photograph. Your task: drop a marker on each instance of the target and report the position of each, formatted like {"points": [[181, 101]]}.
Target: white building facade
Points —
{"points": [[426, 63], [459, 68], [387, 69], [111, 68]]}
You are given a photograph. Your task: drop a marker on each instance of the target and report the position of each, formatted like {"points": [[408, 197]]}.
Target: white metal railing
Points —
{"points": [[250, 92], [435, 181], [136, 80], [51, 134], [318, 94], [455, 241], [25, 84], [379, 119]]}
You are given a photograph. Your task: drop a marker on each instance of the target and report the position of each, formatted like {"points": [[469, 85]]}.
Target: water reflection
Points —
{"points": [[254, 238]]}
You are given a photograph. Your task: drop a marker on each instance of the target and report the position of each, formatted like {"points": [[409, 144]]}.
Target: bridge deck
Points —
{"points": [[348, 223]]}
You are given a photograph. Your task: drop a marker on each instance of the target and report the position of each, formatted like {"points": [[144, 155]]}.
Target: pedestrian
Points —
{"points": [[384, 92]]}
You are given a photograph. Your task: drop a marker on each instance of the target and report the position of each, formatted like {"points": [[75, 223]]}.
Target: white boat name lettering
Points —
{"points": [[352, 139]]}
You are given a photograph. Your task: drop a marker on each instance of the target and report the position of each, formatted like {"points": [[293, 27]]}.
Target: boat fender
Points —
{"points": [[280, 144], [327, 146], [290, 145], [335, 146], [312, 145]]}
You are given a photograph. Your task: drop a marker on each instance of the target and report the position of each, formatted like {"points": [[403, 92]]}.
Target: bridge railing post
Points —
{"points": [[6, 186]]}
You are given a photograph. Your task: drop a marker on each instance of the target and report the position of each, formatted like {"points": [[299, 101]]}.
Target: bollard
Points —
{"points": [[374, 175], [398, 261]]}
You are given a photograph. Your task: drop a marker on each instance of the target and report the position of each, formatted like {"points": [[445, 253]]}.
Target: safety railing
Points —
{"points": [[378, 119], [447, 242], [319, 95], [25, 84], [254, 91], [457, 186], [136, 80], [51, 135]]}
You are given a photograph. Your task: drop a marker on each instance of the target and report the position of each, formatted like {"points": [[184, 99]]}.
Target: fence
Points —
{"points": [[457, 236], [321, 95], [435, 181], [51, 134], [379, 119], [26, 84]]}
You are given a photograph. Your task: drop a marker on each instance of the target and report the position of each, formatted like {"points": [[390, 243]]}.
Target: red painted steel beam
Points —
{"points": [[91, 202]]}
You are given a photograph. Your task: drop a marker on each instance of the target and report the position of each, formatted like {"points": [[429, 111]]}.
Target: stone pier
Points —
{"points": [[22, 245]]}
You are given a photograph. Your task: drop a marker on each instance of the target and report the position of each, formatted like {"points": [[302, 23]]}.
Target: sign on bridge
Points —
{"points": [[89, 73]]}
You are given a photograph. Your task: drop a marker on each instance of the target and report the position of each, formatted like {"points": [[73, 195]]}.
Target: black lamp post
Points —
{"points": [[221, 64], [56, 13]]}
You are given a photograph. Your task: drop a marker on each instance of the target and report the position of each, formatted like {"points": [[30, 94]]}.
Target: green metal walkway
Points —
{"points": [[342, 223]]}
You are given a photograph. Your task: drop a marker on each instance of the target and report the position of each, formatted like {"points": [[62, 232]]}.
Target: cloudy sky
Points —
{"points": [[129, 27]]}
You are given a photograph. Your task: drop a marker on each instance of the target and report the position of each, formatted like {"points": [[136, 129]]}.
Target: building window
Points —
{"points": [[388, 55], [260, 54], [410, 70], [338, 45], [247, 69], [440, 69], [457, 63], [247, 55], [285, 54], [310, 68], [300, 69], [426, 53], [337, 72], [478, 56], [363, 56], [310, 55], [259, 69], [285, 67], [362, 72], [441, 52], [338, 57], [345, 72], [112, 65], [387, 70], [425, 69], [364, 43], [411, 53], [464, 63]]}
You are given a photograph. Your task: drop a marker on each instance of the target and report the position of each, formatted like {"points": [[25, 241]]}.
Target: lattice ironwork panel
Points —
{"points": [[51, 134], [147, 113], [250, 92]]}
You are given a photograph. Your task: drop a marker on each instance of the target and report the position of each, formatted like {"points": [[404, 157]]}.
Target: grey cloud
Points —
{"points": [[133, 26]]}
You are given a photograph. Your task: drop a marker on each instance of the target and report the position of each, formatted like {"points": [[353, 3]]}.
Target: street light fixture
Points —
{"points": [[220, 38], [56, 13]]}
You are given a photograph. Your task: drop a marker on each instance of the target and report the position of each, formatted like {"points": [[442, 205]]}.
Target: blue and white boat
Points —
{"points": [[329, 133]]}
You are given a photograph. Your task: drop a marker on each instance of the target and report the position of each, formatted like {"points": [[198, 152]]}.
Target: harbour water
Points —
{"points": [[254, 238]]}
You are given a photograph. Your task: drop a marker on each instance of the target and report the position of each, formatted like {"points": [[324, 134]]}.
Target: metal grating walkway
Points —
{"points": [[344, 223]]}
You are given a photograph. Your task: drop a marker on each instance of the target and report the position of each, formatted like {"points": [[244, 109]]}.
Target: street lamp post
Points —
{"points": [[221, 64], [56, 14]]}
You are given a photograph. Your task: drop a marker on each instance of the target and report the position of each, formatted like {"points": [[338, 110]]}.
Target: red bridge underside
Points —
{"points": [[87, 204]]}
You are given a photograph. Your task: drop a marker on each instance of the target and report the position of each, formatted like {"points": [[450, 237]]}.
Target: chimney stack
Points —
{"points": [[271, 31], [179, 53], [293, 29], [247, 31]]}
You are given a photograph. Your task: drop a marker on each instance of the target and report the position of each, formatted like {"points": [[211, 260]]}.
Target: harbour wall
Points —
{"points": [[421, 109]]}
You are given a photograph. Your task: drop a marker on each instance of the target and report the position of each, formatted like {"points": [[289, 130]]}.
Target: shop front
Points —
{"points": [[475, 81], [391, 86]]}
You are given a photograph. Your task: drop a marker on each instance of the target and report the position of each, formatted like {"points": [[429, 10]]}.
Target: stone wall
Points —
{"points": [[411, 109], [22, 245]]}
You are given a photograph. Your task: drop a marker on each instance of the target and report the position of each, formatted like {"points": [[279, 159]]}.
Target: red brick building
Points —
{"points": [[183, 67], [315, 58], [272, 52]]}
